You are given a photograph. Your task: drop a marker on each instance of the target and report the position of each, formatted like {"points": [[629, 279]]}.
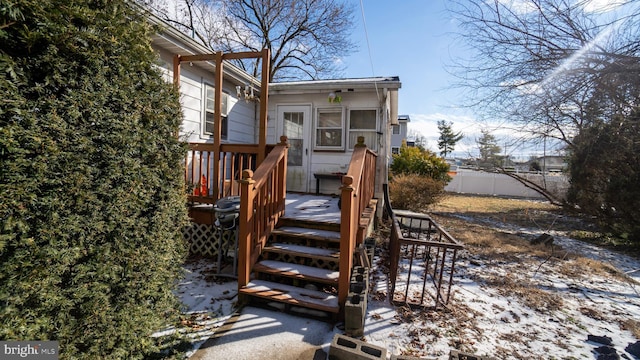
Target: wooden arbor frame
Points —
{"points": [[219, 57]]}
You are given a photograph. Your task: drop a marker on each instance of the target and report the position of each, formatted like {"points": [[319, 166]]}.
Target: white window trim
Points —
{"points": [[373, 147], [342, 128]]}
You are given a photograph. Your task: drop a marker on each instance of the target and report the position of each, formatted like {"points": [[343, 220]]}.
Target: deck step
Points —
{"points": [[296, 271], [329, 225], [303, 251], [309, 233], [292, 295]]}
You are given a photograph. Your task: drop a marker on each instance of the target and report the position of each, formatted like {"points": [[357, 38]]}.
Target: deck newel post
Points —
{"points": [[217, 120], [176, 71], [282, 173], [264, 100], [246, 227], [346, 238]]}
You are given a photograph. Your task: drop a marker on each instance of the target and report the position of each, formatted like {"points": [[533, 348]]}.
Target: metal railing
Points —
{"points": [[422, 261]]}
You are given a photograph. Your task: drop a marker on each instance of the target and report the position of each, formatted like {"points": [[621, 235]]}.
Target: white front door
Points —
{"points": [[296, 126]]}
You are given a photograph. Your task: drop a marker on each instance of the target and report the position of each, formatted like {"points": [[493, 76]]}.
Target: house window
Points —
{"points": [[209, 116], [363, 123], [396, 129], [395, 150], [329, 130]]}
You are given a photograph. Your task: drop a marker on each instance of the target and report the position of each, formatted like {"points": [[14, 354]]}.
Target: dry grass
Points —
{"points": [[581, 266], [486, 204], [633, 326], [526, 213], [530, 294], [509, 252]]}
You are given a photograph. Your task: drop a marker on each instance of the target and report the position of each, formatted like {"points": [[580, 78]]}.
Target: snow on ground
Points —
{"points": [[553, 322]]}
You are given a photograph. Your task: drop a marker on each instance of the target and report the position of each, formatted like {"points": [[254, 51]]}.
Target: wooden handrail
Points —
{"points": [[262, 202], [358, 187]]}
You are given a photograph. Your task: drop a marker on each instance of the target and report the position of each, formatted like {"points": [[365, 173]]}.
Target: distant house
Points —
{"points": [[399, 133], [550, 163]]}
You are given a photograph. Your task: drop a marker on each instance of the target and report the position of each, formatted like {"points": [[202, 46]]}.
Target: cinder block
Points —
{"points": [[355, 311], [360, 274], [370, 245], [346, 348]]}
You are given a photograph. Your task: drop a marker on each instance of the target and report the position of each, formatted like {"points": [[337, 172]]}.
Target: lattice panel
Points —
{"points": [[204, 240]]}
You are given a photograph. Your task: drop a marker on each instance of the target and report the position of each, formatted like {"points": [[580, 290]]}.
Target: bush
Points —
{"points": [[91, 187], [415, 160], [604, 184], [415, 192]]}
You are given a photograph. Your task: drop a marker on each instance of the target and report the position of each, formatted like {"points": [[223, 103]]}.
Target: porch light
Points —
{"points": [[246, 93], [333, 98]]}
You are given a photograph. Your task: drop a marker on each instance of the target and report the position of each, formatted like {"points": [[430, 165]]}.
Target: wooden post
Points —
{"points": [[264, 99], [176, 71], [346, 236], [245, 232], [217, 120], [282, 172]]}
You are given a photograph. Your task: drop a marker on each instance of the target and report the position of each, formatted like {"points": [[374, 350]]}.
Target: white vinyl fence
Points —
{"points": [[484, 183]]}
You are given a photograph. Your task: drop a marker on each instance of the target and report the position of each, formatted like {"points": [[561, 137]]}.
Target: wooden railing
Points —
{"points": [[358, 188], [262, 202], [426, 255], [210, 176]]}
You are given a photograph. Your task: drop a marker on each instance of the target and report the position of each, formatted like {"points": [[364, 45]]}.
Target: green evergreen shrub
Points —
{"points": [[416, 160], [91, 187]]}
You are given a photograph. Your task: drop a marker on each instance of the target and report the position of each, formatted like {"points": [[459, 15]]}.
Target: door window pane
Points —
{"points": [[293, 126]]}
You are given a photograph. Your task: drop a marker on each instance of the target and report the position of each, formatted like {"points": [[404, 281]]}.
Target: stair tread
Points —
{"points": [[292, 295], [315, 233], [304, 250], [297, 271]]}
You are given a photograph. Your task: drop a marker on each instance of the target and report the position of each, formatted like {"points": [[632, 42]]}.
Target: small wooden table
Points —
{"points": [[334, 176]]}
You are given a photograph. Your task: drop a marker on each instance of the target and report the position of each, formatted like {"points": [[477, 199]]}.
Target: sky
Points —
{"points": [[413, 39]]}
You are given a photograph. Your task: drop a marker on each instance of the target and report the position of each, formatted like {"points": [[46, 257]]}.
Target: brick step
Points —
{"points": [[292, 295], [295, 271], [299, 251]]}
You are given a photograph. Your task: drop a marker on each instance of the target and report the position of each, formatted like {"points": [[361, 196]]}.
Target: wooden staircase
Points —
{"points": [[298, 269]]}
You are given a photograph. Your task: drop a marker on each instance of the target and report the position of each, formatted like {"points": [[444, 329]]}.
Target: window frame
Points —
{"points": [[317, 127], [349, 130], [395, 129], [206, 111]]}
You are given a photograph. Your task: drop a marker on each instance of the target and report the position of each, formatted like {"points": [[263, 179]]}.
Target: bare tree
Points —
{"points": [[307, 38], [547, 67]]}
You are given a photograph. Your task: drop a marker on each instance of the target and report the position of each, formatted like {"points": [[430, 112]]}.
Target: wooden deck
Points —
{"points": [[317, 208]]}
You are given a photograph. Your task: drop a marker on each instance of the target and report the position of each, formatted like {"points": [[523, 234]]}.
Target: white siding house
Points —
{"points": [[321, 133], [323, 119], [196, 88], [399, 133]]}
